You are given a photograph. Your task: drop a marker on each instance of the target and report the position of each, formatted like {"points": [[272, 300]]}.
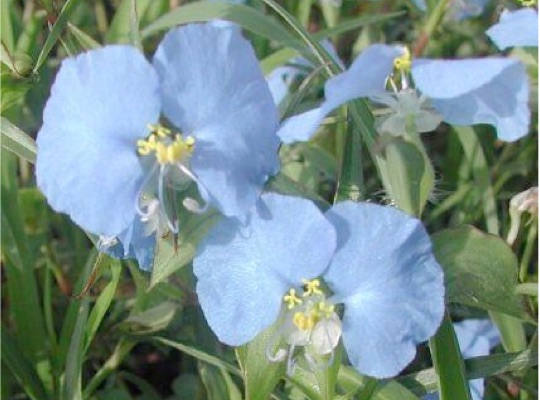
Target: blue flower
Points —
{"points": [[476, 337], [107, 159], [515, 28], [387, 292], [462, 92]]}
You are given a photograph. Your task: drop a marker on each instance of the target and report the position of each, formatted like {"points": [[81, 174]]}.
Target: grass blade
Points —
{"points": [[18, 142], [56, 31]]}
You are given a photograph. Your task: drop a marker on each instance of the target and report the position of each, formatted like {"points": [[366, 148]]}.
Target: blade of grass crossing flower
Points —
{"points": [[511, 329], [21, 368], [247, 17], [63, 18], [17, 141], [446, 356], [102, 303]]}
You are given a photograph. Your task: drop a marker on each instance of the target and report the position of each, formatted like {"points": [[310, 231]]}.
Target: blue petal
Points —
{"points": [[278, 82], [464, 9], [390, 283], [476, 337], [493, 91], [515, 28], [134, 244], [213, 89], [87, 165], [243, 272], [366, 77]]}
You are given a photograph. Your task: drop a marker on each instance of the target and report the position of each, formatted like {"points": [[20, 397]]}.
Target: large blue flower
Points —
{"points": [[515, 28], [108, 161], [463, 92], [476, 337], [376, 260]]}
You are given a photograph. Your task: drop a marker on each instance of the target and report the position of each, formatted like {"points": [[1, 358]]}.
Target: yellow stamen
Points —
{"points": [[311, 287], [527, 3], [292, 299], [166, 149], [306, 321], [403, 63], [327, 310]]}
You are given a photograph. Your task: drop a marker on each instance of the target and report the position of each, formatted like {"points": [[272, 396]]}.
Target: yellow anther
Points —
{"points": [[304, 322], [168, 150], [527, 3], [327, 310], [311, 287], [403, 63], [292, 299]]}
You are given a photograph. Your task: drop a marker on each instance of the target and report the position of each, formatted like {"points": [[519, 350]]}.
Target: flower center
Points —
{"points": [[168, 148], [169, 154], [311, 322]]}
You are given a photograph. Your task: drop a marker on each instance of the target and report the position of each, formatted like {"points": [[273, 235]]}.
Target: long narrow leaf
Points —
{"points": [[16, 141]]}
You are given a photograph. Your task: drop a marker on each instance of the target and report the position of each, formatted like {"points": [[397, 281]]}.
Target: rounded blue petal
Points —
{"points": [[87, 165], [390, 283], [365, 77], [492, 91], [244, 271], [515, 28], [213, 89]]}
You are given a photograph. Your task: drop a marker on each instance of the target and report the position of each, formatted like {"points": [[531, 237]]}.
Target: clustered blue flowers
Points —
{"points": [[123, 140]]}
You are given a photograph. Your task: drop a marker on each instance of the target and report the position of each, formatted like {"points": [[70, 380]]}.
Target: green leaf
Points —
{"points": [[72, 383], [218, 383], [201, 11], [124, 26], [259, 373], [84, 40], [405, 176], [167, 260], [22, 289], [152, 320], [480, 270], [102, 303], [282, 184], [21, 368], [18, 142], [446, 356], [63, 18], [425, 381], [199, 355]]}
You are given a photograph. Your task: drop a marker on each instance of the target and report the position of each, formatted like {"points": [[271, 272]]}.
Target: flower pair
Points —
{"points": [[361, 271], [123, 139]]}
